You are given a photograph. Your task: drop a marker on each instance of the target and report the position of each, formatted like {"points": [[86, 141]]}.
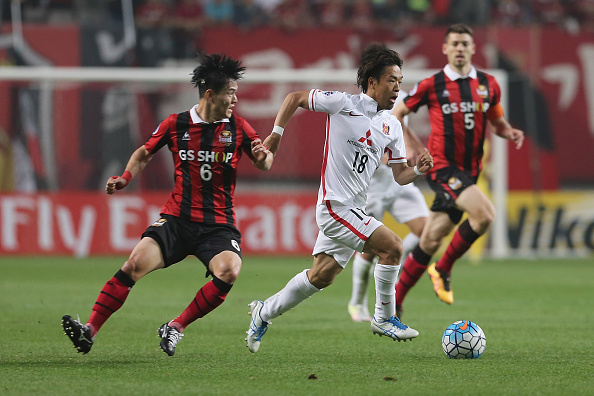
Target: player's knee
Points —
{"points": [[134, 267], [392, 255], [228, 273]]}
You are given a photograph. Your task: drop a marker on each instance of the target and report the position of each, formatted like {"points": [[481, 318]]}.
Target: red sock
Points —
{"points": [[110, 299], [462, 240], [414, 267], [207, 299]]}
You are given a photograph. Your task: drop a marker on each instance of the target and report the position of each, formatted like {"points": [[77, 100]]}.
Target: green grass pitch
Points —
{"points": [[537, 317]]}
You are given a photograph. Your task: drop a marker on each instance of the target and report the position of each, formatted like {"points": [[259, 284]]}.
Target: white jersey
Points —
{"points": [[357, 136]]}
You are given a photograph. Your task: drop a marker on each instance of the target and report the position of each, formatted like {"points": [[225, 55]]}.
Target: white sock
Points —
{"points": [[298, 289], [409, 242], [360, 280], [385, 296]]}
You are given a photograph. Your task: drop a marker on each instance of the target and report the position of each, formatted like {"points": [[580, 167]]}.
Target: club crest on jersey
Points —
{"points": [[186, 136], [482, 91], [386, 129], [226, 138], [159, 223], [454, 183]]}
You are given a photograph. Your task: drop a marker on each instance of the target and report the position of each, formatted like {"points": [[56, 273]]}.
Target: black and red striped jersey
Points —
{"points": [[205, 157], [458, 116]]}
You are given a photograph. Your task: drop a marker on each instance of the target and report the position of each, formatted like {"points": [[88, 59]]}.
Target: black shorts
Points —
{"points": [[180, 238], [448, 183]]}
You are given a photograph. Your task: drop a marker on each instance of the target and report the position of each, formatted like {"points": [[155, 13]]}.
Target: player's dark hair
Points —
{"points": [[460, 28], [215, 71], [374, 60]]}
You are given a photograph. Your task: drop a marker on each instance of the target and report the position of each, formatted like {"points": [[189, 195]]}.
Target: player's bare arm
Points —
{"points": [[503, 129], [414, 146], [292, 102], [137, 162], [262, 156], [404, 174]]}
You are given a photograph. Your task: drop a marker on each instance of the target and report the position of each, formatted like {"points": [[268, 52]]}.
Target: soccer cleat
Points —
{"points": [[79, 334], [170, 336], [441, 284], [359, 313], [394, 329], [258, 327]]}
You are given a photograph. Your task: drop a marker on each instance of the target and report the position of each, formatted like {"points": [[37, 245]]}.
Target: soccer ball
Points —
{"points": [[463, 340]]}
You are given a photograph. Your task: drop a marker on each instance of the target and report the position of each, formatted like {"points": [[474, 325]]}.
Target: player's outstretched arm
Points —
{"points": [[292, 102], [138, 160]]}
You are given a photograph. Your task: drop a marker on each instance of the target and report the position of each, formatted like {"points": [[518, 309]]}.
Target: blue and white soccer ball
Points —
{"points": [[463, 340]]}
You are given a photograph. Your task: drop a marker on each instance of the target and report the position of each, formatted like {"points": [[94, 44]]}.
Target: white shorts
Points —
{"points": [[404, 203], [343, 229]]}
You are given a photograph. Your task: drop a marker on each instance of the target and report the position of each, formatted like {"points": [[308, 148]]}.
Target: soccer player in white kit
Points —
{"points": [[359, 130], [407, 205]]}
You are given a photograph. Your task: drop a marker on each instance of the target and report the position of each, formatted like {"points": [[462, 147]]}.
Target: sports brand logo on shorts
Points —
{"points": [[235, 245], [159, 223], [386, 129], [454, 183], [225, 138]]}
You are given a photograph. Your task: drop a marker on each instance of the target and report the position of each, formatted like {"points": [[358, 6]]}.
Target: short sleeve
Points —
{"points": [[159, 138], [330, 102]]}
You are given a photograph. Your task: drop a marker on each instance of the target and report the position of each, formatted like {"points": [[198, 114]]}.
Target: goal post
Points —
{"points": [[47, 79]]}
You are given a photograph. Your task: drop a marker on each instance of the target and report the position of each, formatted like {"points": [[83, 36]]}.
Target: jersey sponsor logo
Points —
{"points": [[454, 183], [159, 223], [366, 138], [362, 146], [465, 107], [186, 136], [386, 129], [482, 91], [225, 138], [205, 156]]}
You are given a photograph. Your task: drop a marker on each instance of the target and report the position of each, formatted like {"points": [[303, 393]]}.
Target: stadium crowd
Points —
{"points": [[191, 15]]}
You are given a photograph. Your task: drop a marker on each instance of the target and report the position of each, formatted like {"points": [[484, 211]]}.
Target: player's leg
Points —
{"points": [[302, 286], [384, 243], [362, 264], [481, 214], [437, 226], [145, 257]]}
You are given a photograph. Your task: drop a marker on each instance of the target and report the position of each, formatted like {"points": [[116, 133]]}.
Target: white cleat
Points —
{"points": [[257, 328], [394, 329], [359, 313]]}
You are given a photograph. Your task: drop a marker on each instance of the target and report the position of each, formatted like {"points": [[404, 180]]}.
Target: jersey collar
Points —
{"points": [[197, 120], [452, 75], [369, 105]]}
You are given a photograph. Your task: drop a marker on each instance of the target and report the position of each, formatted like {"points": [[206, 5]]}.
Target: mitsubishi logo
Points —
{"points": [[366, 138]]}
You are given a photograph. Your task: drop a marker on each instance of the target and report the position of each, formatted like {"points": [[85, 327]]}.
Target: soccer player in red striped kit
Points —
{"points": [[206, 143], [461, 100]]}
